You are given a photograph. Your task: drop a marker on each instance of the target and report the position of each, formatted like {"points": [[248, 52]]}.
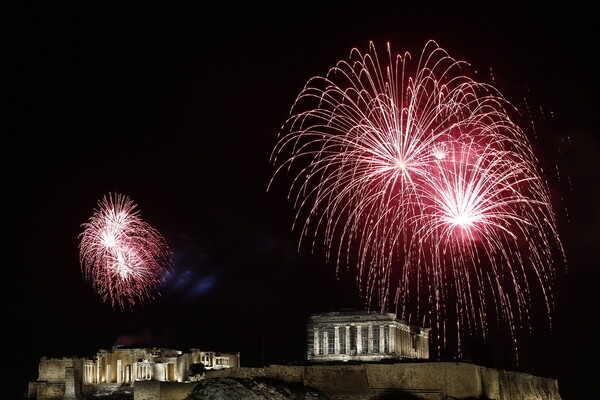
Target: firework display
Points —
{"points": [[123, 257], [416, 174]]}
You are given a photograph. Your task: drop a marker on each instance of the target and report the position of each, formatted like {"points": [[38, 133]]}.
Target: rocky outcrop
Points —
{"points": [[252, 389]]}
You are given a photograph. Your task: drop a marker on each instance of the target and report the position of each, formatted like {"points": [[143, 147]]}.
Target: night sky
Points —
{"points": [[179, 109]]}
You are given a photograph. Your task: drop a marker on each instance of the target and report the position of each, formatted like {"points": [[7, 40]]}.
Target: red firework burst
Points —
{"points": [[123, 257], [421, 174]]}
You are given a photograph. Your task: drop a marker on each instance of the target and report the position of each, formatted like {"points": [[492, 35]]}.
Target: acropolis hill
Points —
{"points": [[350, 356]]}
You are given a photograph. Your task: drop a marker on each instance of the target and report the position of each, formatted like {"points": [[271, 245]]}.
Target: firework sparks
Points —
{"points": [[420, 174], [123, 257]]}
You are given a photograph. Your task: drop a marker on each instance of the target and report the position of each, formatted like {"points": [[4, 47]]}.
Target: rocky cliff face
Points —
{"points": [[252, 389]]}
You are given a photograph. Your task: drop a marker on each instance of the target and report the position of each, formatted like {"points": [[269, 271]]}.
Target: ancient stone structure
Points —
{"points": [[364, 336], [401, 379], [72, 383], [72, 377], [252, 389], [360, 337]]}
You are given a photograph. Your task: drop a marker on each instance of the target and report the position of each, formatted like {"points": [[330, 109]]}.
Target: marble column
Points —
{"points": [[382, 338], [347, 340], [392, 339], [370, 341], [119, 371], [131, 368], [336, 342], [358, 339], [322, 347]]}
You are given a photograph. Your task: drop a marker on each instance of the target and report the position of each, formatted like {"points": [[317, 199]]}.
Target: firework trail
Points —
{"points": [[123, 257], [418, 174]]}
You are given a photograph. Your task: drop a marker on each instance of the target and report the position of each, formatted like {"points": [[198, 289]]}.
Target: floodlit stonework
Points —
{"points": [[72, 377], [364, 336], [423, 380]]}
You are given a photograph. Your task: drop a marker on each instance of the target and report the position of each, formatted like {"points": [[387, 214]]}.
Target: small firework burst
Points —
{"points": [[123, 257]]}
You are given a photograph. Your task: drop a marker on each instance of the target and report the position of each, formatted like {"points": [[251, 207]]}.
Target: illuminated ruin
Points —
{"points": [[364, 336], [72, 377]]}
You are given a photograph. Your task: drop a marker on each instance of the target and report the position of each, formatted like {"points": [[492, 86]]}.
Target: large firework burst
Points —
{"points": [[123, 257], [417, 174]]}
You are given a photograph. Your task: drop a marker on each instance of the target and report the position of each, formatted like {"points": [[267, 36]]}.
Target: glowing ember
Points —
{"points": [[419, 174], [122, 256]]}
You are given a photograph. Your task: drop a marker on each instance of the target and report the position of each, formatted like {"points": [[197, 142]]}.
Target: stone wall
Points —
{"points": [[427, 380], [72, 383], [338, 381], [53, 369], [52, 377], [46, 390], [286, 373], [152, 390]]}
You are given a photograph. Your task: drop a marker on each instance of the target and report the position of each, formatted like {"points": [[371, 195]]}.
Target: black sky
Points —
{"points": [[179, 109]]}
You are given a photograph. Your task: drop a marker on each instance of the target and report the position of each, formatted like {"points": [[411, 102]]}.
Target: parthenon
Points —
{"points": [[364, 336]]}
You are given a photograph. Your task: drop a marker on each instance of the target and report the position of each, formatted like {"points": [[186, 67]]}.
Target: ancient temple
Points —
{"points": [[61, 378], [364, 336], [126, 365]]}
